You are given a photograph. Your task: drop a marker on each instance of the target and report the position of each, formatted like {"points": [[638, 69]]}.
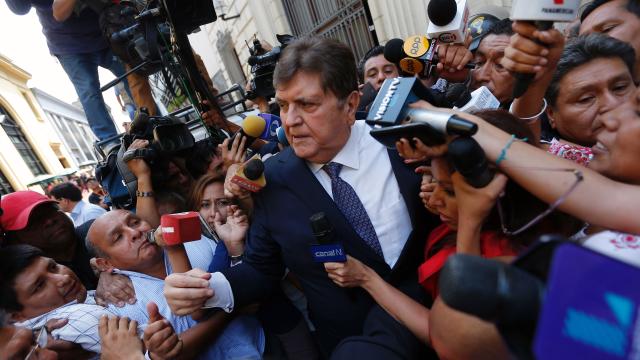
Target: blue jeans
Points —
{"points": [[82, 70]]}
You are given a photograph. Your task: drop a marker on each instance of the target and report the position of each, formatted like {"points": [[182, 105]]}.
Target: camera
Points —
{"points": [[263, 64], [167, 136]]}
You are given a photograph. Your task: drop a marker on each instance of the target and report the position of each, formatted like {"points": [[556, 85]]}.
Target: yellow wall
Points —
{"points": [[19, 102]]}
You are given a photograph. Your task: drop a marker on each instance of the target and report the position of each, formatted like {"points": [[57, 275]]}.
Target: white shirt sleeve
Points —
{"points": [[222, 293]]}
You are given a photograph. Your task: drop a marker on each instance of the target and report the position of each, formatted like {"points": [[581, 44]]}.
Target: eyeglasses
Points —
{"points": [[552, 207], [41, 339]]}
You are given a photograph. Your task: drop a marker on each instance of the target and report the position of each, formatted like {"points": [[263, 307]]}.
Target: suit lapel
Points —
{"points": [[296, 175]]}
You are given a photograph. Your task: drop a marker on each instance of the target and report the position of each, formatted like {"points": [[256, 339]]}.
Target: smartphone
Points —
{"points": [[388, 136], [207, 230], [368, 95]]}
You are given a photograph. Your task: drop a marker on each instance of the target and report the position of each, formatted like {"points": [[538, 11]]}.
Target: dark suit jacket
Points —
{"points": [[280, 236]]}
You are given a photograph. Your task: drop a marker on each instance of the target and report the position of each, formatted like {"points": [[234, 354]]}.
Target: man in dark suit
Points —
{"points": [[333, 165]]}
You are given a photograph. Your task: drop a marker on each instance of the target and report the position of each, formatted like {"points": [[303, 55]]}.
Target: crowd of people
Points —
{"points": [[86, 280]]}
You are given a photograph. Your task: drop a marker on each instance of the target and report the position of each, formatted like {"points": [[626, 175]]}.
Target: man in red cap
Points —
{"points": [[31, 218]]}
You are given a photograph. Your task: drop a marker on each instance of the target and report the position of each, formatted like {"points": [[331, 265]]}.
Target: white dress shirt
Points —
{"points": [[367, 168]]}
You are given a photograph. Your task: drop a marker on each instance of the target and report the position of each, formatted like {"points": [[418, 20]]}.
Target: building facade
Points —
{"points": [[224, 48], [71, 126], [30, 150]]}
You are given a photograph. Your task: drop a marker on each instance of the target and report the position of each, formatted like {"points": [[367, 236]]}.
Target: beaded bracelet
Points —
{"points": [[503, 152]]}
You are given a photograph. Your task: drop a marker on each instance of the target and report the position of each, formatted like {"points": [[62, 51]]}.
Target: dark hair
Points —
{"points": [[331, 59], [14, 260], [633, 6], [172, 198], [197, 192], [199, 157], [583, 49], [373, 52], [502, 27], [66, 190], [518, 204]]}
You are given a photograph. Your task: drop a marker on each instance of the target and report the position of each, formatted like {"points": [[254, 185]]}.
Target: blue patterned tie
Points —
{"points": [[351, 207]]}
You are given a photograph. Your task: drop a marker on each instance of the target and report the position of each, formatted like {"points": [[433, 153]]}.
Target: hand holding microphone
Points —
{"points": [[533, 51], [542, 14]]}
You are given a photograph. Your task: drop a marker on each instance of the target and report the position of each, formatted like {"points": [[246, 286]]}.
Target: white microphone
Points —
{"points": [[448, 20]]}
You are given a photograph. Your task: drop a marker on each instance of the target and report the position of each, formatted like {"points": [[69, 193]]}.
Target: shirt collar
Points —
{"points": [[348, 156], [78, 208]]}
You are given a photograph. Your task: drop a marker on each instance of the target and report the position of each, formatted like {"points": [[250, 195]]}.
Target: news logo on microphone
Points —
{"points": [[326, 247]]}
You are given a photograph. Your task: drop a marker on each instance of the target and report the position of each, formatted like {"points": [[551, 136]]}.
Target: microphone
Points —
{"points": [[496, 292], [459, 96], [272, 123], [326, 247], [253, 127], [250, 175], [282, 136], [448, 20], [470, 161], [180, 228], [443, 122], [415, 55], [393, 119], [543, 14], [390, 105]]}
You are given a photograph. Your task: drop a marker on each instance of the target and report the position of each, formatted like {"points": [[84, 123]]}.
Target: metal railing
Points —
{"points": [[344, 20]]}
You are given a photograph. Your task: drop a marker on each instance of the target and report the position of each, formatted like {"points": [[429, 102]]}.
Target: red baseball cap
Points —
{"points": [[17, 207]]}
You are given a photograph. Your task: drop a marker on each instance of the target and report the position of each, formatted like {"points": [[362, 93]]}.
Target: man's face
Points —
{"points": [[48, 229], [489, 72], [65, 205], [617, 151], [377, 69], [615, 20], [586, 92], [316, 122], [179, 180], [46, 285], [120, 235]]}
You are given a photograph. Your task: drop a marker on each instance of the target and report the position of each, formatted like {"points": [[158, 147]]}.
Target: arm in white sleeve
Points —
{"points": [[222, 293]]}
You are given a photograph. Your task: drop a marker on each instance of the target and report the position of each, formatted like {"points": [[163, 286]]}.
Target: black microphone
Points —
{"points": [[327, 248], [441, 12], [524, 80], [470, 161], [393, 50], [495, 292], [448, 20]]}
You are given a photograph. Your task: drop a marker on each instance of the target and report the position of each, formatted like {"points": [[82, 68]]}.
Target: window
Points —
{"points": [[20, 142], [5, 186]]}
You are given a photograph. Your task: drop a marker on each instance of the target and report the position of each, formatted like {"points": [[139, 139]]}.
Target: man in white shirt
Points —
{"points": [[367, 193], [69, 196]]}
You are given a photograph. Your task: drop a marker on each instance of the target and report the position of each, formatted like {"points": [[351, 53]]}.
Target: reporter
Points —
{"points": [[593, 75], [220, 213]]}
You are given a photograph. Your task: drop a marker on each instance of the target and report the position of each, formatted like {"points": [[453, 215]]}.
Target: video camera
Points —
{"points": [[167, 135], [263, 64]]}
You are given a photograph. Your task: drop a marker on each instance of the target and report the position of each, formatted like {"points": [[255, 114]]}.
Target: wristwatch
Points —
{"points": [[144, 194]]}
